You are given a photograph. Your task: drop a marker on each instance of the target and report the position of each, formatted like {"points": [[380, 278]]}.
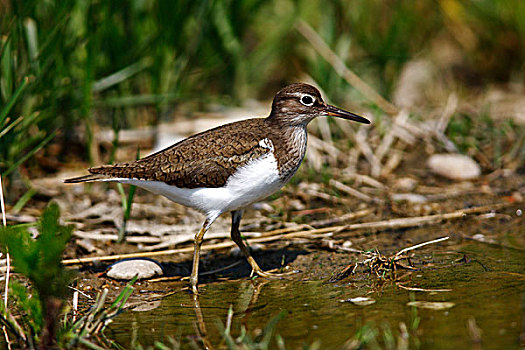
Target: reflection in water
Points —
{"points": [[201, 325], [317, 311], [248, 293]]}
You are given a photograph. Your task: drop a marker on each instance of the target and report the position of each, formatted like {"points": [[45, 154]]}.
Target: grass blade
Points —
{"points": [[30, 154], [5, 110]]}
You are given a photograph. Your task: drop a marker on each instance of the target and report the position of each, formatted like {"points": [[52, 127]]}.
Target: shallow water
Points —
{"points": [[488, 289]]}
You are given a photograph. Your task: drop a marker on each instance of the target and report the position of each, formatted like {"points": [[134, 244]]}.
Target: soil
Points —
{"points": [[329, 267]]}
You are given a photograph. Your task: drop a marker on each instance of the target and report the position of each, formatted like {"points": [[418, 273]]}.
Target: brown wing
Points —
{"points": [[207, 159]]}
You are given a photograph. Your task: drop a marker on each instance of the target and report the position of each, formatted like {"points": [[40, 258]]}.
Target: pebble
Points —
{"points": [[405, 184], [361, 301], [408, 197], [454, 166], [129, 268]]}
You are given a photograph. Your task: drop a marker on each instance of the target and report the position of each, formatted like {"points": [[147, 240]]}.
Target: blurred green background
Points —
{"points": [[65, 64]]}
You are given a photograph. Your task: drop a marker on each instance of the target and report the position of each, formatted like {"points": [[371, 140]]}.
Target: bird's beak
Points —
{"points": [[336, 112]]}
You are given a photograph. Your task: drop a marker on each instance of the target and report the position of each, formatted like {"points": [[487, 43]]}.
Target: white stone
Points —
{"points": [[408, 197], [454, 166], [129, 268], [361, 301], [405, 184]]}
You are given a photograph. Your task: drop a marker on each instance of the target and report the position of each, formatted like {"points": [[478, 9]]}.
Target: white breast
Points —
{"points": [[252, 182]]}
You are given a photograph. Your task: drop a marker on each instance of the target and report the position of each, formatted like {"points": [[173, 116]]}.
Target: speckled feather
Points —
{"points": [[210, 158]]}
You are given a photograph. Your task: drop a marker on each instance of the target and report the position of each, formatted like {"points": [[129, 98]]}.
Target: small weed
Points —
{"points": [[38, 309], [40, 261]]}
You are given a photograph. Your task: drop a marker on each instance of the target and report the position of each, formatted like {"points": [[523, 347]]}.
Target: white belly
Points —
{"points": [[253, 182]]}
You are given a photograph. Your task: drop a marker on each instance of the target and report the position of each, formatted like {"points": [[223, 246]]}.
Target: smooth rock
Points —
{"points": [[405, 184], [361, 301], [454, 166], [129, 268], [408, 197]]}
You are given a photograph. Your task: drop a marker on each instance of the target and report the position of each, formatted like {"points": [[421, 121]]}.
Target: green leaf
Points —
{"points": [[40, 259]]}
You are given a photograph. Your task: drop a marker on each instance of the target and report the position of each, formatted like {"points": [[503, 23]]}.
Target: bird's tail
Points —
{"points": [[86, 178]]}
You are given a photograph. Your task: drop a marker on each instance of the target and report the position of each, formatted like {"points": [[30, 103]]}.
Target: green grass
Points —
{"points": [[496, 143]]}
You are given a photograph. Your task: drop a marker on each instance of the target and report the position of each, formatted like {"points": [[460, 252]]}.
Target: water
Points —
{"points": [[488, 290]]}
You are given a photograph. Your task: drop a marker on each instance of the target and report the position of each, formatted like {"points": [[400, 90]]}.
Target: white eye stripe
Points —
{"points": [[310, 100]]}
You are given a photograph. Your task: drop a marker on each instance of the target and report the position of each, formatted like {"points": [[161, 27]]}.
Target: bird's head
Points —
{"points": [[298, 104]]}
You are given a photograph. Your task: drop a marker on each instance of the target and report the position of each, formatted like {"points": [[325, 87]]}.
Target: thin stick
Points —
{"points": [[361, 143], [419, 220], [284, 230], [394, 159], [389, 138], [339, 66], [224, 268], [80, 292], [8, 266], [421, 245], [75, 305], [366, 180], [2, 205], [422, 289], [316, 233], [165, 279], [353, 192], [444, 119], [190, 249]]}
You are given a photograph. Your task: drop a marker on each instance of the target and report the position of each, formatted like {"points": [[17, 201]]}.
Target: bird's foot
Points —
{"points": [[271, 275]]}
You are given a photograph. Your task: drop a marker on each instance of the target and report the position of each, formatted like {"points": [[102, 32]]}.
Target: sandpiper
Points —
{"points": [[229, 167]]}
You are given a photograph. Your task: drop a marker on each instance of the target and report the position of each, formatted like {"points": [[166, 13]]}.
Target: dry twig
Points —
{"points": [[381, 264], [421, 245], [339, 66], [422, 289], [419, 220], [310, 234], [353, 192]]}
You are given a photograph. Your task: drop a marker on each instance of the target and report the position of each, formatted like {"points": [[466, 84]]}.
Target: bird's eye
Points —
{"points": [[307, 100]]}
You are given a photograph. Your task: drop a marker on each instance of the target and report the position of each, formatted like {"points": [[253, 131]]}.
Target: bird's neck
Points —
{"points": [[290, 144]]}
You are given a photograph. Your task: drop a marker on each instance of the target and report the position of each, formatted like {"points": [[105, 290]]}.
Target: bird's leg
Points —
{"points": [[236, 237], [194, 278]]}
